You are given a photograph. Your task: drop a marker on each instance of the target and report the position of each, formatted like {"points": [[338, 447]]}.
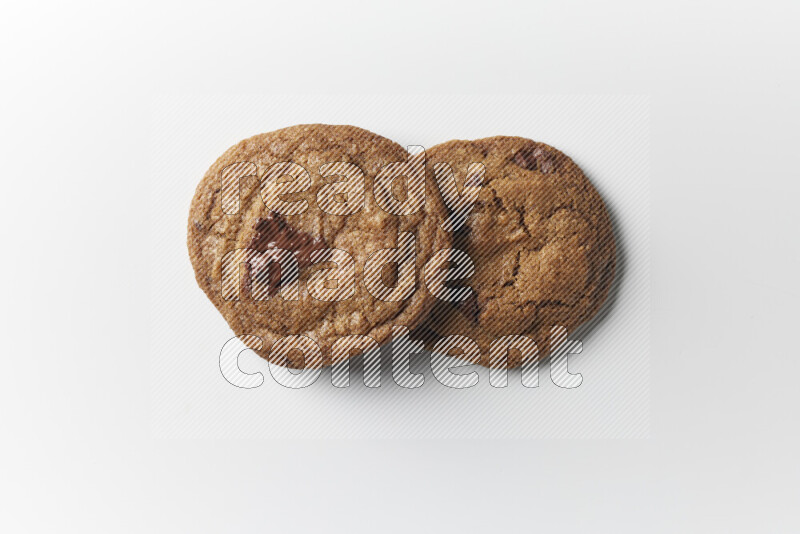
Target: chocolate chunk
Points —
{"points": [[537, 159], [469, 307], [272, 233]]}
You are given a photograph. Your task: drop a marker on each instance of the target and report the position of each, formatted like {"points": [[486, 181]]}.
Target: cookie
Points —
{"points": [[277, 214], [539, 237]]}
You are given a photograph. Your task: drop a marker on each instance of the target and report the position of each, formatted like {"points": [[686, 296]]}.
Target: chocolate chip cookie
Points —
{"points": [[539, 237], [277, 214]]}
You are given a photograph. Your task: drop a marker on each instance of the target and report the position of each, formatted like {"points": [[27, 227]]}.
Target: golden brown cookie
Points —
{"points": [[258, 197], [540, 239]]}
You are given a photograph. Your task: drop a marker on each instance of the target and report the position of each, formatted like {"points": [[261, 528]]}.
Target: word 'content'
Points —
{"points": [[402, 349]]}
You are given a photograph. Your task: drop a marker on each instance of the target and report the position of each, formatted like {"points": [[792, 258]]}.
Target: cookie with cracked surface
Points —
{"points": [[539, 237], [298, 190]]}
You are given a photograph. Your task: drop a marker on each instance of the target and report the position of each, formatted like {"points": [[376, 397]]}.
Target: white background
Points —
{"points": [[78, 449]]}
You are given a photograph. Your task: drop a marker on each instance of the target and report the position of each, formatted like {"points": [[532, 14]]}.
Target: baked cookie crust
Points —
{"points": [[212, 233], [540, 239]]}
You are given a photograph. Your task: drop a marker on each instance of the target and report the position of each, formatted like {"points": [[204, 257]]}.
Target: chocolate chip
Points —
{"points": [[469, 308], [272, 232], [537, 159]]}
